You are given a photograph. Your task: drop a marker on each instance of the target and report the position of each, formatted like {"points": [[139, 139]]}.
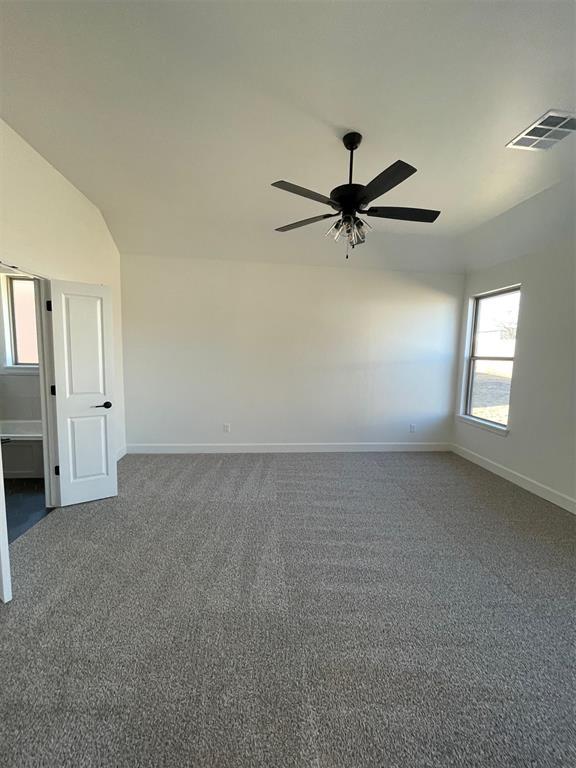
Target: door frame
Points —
{"points": [[48, 405], [5, 576]]}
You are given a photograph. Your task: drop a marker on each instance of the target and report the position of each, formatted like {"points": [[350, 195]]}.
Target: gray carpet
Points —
{"points": [[266, 611]]}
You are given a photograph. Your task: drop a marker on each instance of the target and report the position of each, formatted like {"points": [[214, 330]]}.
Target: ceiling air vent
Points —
{"points": [[546, 131]]}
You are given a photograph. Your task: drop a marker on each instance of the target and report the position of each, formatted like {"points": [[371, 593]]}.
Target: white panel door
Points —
{"points": [[82, 336]]}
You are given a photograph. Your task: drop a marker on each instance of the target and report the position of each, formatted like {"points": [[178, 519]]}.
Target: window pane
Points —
{"points": [[496, 325], [490, 396], [24, 319]]}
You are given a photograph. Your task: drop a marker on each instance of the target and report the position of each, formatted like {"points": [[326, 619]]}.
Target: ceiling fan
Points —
{"points": [[351, 200]]}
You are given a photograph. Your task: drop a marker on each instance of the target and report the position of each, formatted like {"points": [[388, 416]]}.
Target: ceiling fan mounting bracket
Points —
{"points": [[352, 140]]}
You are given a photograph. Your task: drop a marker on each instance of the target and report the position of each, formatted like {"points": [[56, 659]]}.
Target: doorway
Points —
{"points": [[61, 332], [21, 427]]}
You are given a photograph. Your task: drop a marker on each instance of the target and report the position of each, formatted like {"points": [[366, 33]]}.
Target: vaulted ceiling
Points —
{"points": [[175, 117]]}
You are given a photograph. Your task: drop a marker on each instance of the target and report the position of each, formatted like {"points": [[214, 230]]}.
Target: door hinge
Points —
{"points": [[49, 306], [57, 469], [53, 389]]}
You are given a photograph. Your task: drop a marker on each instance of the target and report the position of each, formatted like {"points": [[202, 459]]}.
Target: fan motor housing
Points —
{"points": [[348, 197]]}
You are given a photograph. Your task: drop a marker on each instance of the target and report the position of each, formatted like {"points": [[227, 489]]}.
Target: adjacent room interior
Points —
{"points": [[288, 383], [20, 404]]}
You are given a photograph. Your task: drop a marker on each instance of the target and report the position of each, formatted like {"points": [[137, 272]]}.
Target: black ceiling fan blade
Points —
{"points": [[304, 222], [303, 192], [404, 214], [393, 175]]}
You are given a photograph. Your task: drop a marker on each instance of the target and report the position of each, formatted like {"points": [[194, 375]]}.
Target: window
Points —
{"points": [[491, 360], [21, 337]]}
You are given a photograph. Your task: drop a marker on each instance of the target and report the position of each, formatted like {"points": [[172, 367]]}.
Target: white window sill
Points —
{"points": [[496, 429], [19, 370]]}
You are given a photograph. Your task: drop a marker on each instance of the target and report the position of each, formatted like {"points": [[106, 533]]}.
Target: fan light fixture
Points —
{"points": [[350, 200], [349, 228]]}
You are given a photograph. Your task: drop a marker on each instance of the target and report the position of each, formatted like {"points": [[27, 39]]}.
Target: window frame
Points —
{"points": [[472, 358], [11, 363]]}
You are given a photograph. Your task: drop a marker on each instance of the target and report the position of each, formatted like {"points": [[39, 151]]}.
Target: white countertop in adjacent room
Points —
{"points": [[21, 430]]}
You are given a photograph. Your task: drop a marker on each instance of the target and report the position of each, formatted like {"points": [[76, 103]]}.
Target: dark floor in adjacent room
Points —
{"points": [[264, 611], [25, 505]]}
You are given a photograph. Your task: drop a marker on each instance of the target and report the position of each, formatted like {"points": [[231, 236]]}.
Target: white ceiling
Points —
{"points": [[175, 117]]}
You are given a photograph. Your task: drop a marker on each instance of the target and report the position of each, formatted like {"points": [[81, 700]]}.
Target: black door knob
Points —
{"points": [[107, 404]]}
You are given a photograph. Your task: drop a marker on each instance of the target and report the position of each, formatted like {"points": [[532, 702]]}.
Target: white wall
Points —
{"points": [[49, 228], [20, 396], [289, 355], [539, 451]]}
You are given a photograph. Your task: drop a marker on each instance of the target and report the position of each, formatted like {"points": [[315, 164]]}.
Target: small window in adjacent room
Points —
{"points": [[491, 355], [22, 341]]}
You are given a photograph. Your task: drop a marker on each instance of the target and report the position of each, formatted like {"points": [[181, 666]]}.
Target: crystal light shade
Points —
{"points": [[349, 228]]}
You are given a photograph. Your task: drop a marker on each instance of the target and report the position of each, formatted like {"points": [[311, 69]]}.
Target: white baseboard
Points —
{"points": [[539, 489], [121, 453], [281, 447]]}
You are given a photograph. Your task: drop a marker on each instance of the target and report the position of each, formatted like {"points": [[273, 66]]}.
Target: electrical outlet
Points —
{"points": [[226, 427], [412, 427]]}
